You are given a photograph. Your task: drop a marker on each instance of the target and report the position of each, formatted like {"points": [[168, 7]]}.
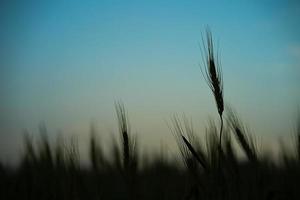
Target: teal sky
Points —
{"points": [[66, 62]]}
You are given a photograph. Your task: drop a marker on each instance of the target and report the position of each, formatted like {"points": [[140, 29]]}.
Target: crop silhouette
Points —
{"points": [[212, 73], [208, 167]]}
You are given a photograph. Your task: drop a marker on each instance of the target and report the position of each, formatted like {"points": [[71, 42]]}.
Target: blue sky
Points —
{"points": [[67, 62]]}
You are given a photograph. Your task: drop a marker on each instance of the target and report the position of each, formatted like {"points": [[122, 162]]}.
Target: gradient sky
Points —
{"points": [[65, 63]]}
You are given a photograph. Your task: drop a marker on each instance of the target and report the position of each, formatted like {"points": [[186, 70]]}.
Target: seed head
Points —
{"points": [[212, 72]]}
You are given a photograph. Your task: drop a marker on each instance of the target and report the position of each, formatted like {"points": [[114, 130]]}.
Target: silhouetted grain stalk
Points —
{"points": [[298, 136], [59, 153], [123, 128], [180, 132], [45, 152], [245, 140], [30, 156], [192, 154], [129, 149], [212, 74], [93, 153], [96, 152], [248, 144]]}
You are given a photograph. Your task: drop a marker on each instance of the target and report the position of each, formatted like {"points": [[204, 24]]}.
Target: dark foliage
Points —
{"points": [[55, 173]]}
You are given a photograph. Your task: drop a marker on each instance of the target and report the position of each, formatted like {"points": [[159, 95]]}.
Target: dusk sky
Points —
{"points": [[65, 63]]}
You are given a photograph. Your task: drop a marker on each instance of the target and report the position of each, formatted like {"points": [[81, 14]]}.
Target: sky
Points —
{"points": [[65, 64]]}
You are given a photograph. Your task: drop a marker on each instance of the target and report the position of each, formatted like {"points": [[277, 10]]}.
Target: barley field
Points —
{"points": [[204, 168]]}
